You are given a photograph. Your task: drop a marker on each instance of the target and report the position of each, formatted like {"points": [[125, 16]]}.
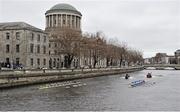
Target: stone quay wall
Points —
{"points": [[17, 78]]}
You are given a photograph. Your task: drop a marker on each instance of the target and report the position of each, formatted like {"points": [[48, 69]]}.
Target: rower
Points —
{"points": [[127, 76], [149, 75]]}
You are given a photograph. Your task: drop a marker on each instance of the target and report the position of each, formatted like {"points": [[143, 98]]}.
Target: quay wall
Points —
{"points": [[24, 79]]}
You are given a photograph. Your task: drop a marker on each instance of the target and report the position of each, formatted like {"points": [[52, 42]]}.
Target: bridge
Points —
{"points": [[162, 66]]}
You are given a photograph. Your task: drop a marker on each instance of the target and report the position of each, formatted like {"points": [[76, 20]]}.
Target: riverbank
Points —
{"points": [[18, 79]]}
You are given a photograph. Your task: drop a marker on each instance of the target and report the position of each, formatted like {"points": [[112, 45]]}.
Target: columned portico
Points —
{"points": [[57, 20]]}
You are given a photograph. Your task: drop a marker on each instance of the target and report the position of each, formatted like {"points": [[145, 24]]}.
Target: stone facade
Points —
{"points": [[177, 56], [160, 58], [23, 45], [58, 17], [29, 47]]}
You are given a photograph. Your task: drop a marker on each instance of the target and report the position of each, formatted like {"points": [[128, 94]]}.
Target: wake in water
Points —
{"points": [[144, 84], [67, 84], [128, 78]]}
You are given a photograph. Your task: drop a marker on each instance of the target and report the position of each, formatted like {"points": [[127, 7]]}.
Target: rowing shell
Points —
{"points": [[137, 83]]}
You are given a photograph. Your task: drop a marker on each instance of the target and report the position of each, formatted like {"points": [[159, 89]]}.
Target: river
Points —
{"points": [[160, 93]]}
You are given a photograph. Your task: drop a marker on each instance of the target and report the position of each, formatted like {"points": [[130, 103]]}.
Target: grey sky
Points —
{"points": [[147, 25]]}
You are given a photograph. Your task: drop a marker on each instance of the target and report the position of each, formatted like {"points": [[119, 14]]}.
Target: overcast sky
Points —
{"points": [[148, 25]]}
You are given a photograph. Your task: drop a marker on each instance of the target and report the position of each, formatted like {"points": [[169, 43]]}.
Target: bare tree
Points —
{"points": [[68, 43], [96, 47], [109, 54], [122, 53], [93, 46], [134, 57]]}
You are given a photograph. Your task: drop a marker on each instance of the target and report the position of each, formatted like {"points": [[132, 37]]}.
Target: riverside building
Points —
{"points": [[23, 45], [29, 47], [59, 17]]}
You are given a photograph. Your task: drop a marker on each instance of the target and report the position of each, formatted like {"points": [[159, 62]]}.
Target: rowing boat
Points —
{"points": [[137, 83]]}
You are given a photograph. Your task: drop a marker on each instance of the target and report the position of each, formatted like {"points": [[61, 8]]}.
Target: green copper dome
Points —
{"points": [[63, 7]]}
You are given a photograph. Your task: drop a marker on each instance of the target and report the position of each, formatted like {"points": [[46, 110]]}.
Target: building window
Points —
{"points": [[55, 44], [49, 45], [17, 48], [44, 61], [73, 23], [38, 61], [7, 61], [49, 52], [7, 35], [38, 48], [55, 52], [68, 19], [44, 38], [64, 19], [38, 39], [31, 61], [18, 35], [17, 61], [54, 63], [44, 49], [76, 22], [31, 48], [64, 22], [7, 48], [54, 21], [32, 37]]}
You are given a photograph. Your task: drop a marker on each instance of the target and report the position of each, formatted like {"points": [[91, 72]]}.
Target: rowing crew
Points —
{"points": [[148, 76]]}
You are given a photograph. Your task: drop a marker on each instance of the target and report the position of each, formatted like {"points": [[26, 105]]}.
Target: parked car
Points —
{"points": [[19, 66], [44, 68]]}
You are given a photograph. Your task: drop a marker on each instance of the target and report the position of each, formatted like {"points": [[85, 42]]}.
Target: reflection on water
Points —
{"points": [[161, 92]]}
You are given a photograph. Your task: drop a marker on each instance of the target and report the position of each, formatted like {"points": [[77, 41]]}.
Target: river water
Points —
{"points": [[160, 93]]}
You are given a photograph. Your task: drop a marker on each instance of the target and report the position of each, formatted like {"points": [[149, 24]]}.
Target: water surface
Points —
{"points": [[162, 92]]}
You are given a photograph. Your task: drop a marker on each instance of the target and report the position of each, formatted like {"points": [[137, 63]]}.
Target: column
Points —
{"points": [[52, 21], [70, 21], [49, 21], [46, 22], [66, 21], [61, 20], [75, 22], [80, 23], [57, 21]]}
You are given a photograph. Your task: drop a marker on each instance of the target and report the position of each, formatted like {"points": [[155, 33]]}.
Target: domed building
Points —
{"points": [[63, 15], [60, 45], [59, 18]]}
